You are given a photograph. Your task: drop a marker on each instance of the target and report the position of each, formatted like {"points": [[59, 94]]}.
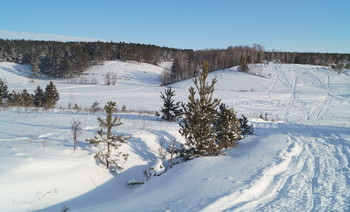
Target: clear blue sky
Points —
{"points": [[293, 25]]}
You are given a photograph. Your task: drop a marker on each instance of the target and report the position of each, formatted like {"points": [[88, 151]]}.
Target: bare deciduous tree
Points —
{"points": [[76, 131], [111, 78]]}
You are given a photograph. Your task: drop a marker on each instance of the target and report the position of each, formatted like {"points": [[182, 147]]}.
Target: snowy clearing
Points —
{"points": [[298, 160]]}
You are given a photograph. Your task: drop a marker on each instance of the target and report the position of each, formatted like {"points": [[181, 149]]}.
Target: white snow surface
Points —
{"points": [[298, 160]]}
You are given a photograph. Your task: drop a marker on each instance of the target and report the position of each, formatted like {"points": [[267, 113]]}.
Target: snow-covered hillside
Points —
{"points": [[298, 160]]}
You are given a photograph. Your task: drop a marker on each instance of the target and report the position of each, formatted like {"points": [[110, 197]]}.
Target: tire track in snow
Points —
{"points": [[295, 192], [322, 185], [316, 201], [312, 174], [313, 110], [271, 178], [317, 178]]}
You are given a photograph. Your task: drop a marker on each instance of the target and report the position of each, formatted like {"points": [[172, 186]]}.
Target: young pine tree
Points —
{"points": [[247, 129], [14, 99], [27, 99], [38, 97], [3, 91], [176, 73], [228, 130], [243, 64], [51, 95], [170, 110], [200, 115], [108, 142]]}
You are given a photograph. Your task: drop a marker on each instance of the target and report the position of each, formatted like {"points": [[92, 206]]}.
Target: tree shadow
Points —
{"points": [[112, 190]]}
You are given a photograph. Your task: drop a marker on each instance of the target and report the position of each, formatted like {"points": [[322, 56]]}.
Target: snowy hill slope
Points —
{"points": [[298, 162], [15, 72], [132, 79], [132, 72]]}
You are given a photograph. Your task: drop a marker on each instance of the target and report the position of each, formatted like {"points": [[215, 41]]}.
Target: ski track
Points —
{"points": [[310, 110], [323, 182], [313, 173]]}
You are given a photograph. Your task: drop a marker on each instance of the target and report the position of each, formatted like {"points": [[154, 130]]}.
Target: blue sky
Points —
{"points": [[293, 25]]}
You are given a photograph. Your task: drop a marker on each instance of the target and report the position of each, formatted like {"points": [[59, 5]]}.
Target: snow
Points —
{"points": [[298, 160], [157, 168]]}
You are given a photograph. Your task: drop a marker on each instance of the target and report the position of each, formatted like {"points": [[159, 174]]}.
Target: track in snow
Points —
{"points": [[323, 182], [312, 174], [312, 107]]}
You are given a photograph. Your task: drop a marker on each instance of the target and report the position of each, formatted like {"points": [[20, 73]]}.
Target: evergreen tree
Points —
{"points": [[51, 95], [3, 91], [247, 129], [244, 64], [38, 97], [170, 110], [95, 107], [27, 99], [200, 114], [227, 126], [176, 71], [109, 142], [14, 99]]}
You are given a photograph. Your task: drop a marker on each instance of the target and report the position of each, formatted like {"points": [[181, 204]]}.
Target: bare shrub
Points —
{"points": [[111, 78], [76, 130], [95, 107], [76, 107]]}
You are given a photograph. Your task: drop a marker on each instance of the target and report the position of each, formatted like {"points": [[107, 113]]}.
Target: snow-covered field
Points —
{"points": [[299, 160]]}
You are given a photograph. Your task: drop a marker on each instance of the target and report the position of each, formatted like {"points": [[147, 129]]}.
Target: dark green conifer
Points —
{"points": [[26, 99], [170, 110], [243, 64], [108, 142], [200, 114], [227, 126], [3, 91], [38, 97], [14, 99], [51, 95], [247, 129]]}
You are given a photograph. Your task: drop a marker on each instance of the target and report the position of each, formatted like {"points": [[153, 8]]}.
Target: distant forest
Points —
{"points": [[68, 59]]}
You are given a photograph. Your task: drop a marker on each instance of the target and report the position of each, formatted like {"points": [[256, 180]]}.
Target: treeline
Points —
{"points": [[40, 98], [67, 59], [187, 64], [334, 60]]}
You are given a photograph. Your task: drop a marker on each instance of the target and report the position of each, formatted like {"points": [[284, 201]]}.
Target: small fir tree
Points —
{"points": [[38, 97], [123, 109], [176, 73], [243, 64], [76, 107], [3, 91], [227, 126], [27, 99], [95, 107], [200, 114], [170, 110], [51, 95], [108, 142], [14, 99], [247, 129]]}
